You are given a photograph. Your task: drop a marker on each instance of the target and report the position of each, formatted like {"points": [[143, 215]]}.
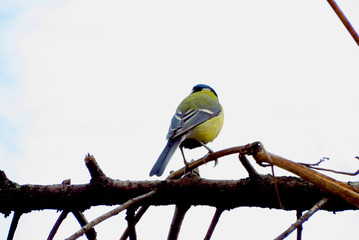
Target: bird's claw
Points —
{"points": [[205, 158], [185, 170]]}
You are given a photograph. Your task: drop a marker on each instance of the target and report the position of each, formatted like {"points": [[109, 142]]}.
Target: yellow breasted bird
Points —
{"points": [[197, 121]]}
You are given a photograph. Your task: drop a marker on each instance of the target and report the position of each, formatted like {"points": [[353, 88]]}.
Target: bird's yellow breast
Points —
{"points": [[207, 131]]}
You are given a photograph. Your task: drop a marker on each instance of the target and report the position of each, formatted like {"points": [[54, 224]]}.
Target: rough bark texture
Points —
{"points": [[295, 193]]}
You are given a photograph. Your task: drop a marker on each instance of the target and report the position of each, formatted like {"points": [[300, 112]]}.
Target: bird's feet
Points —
{"points": [[207, 158], [186, 170]]}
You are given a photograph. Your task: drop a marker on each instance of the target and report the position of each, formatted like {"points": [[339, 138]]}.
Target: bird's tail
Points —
{"points": [[165, 156]]}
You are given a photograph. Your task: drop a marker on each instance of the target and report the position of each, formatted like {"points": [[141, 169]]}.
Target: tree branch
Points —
{"points": [[93, 167], [344, 20], [130, 217], [115, 211], [295, 194], [91, 233], [15, 221], [214, 222], [177, 220], [300, 227], [54, 229], [303, 218], [249, 168], [340, 189], [138, 216]]}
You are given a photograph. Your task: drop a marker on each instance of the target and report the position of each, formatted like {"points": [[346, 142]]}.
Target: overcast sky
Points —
{"points": [[105, 77]]}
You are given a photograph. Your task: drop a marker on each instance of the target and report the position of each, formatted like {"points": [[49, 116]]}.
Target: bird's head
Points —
{"points": [[201, 87]]}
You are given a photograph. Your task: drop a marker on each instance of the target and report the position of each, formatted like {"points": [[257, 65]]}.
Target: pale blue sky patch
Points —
{"points": [[9, 136], [6, 45], [106, 78]]}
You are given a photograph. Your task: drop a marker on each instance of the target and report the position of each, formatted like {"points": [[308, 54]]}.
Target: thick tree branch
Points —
{"points": [[256, 191], [295, 194]]}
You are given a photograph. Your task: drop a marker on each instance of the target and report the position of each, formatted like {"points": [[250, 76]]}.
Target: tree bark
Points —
{"points": [[295, 194]]}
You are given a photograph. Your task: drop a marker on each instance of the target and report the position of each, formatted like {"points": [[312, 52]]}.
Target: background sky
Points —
{"points": [[105, 77]]}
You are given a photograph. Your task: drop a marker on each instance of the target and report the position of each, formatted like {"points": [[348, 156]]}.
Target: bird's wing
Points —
{"points": [[183, 122]]}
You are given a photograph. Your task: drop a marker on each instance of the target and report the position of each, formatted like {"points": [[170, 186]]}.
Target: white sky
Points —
{"points": [[105, 77]]}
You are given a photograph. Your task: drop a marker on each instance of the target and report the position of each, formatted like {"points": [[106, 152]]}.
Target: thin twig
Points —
{"points": [[314, 166], [214, 222], [334, 171], [246, 149], [111, 213], [344, 20], [57, 224], [274, 178], [276, 188], [15, 221], [246, 164], [80, 217], [300, 227], [177, 220], [138, 216], [303, 218], [131, 223]]}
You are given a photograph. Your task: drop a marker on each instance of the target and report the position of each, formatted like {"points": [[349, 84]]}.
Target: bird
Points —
{"points": [[196, 122]]}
